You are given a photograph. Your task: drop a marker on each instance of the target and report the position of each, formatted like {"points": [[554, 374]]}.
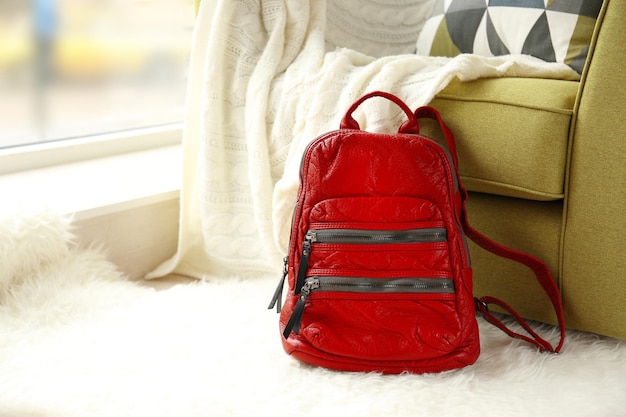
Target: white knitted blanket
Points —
{"points": [[266, 78]]}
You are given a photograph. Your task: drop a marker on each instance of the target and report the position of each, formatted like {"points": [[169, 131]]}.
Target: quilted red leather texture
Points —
{"points": [[378, 270]]}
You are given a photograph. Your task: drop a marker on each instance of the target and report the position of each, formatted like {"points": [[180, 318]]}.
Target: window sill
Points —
{"points": [[127, 202]]}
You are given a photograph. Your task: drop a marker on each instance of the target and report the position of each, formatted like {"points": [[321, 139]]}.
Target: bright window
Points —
{"points": [[76, 68]]}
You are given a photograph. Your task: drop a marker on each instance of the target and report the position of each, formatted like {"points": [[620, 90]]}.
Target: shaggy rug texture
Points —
{"points": [[78, 339]]}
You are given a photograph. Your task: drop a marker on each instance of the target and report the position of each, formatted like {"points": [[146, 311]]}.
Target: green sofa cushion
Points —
{"points": [[500, 152]]}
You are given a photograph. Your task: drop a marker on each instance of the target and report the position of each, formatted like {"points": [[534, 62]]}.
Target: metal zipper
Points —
{"points": [[363, 285], [358, 236], [382, 285]]}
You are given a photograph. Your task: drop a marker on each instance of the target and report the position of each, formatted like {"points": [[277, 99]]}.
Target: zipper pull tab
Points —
{"points": [[298, 310], [278, 293], [309, 238]]}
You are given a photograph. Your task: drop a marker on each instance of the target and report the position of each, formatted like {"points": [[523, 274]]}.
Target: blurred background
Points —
{"points": [[71, 68]]}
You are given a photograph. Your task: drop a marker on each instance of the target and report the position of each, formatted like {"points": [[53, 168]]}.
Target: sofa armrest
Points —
{"points": [[594, 247]]}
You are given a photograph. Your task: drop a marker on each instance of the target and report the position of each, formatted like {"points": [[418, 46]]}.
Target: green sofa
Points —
{"points": [[545, 164]]}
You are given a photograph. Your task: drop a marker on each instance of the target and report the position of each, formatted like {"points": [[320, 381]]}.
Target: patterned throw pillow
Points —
{"points": [[552, 30]]}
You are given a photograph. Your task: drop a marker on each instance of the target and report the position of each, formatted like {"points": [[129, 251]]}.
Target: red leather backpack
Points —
{"points": [[378, 268]]}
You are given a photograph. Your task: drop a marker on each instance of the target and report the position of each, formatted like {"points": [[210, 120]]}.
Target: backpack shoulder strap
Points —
{"points": [[539, 268], [541, 271]]}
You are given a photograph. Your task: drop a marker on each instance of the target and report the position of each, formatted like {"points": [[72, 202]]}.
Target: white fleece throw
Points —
{"points": [[266, 79], [78, 340]]}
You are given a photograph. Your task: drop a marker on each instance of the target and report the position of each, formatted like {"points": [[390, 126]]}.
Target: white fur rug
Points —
{"points": [[76, 339]]}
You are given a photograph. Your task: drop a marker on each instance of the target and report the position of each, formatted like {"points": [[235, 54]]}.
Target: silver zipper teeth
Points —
{"points": [[382, 285], [377, 236]]}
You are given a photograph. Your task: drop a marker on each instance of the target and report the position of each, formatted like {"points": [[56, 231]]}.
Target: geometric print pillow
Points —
{"points": [[552, 30]]}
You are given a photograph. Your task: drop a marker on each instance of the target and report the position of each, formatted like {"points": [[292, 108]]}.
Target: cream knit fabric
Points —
{"points": [[266, 79]]}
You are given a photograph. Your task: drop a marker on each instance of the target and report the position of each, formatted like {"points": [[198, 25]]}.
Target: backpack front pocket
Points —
{"points": [[374, 281], [410, 248], [379, 318], [364, 285]]}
